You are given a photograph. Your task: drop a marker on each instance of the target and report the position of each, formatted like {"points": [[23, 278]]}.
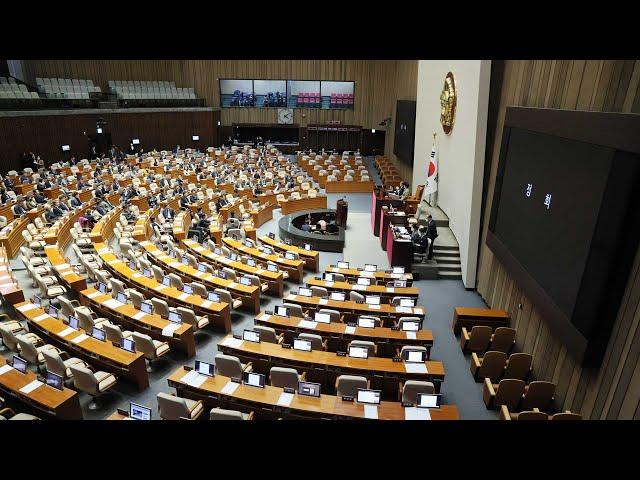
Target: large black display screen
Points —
{"points": [[564, 218], [551, 194], [405, 130]]}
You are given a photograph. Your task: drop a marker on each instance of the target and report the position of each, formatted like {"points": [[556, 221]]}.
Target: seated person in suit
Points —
{"points": [[75, 201], [193, 198], [24, 178], [8, 183], [49, 216], [4, 197], [184, 202], [168, 213], [62, 204], [422, 243], [58, 212], [321, 225], [39, 197], [306, 226], [19, 209]]}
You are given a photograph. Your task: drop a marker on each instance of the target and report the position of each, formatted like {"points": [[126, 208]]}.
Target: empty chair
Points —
{"points": [[356, 297], [55, 364], [538, 394], [189, 316], [161, 307], [224, 414], [285, 377], [508, 392], [175, 408], [136, 298], [348, 385], [255, 280], [268, 334], [526, 415], [115, 333], [566, 415], [411, 388], [92, 383], [225, 297], [491, 365], [10, 340], [404, 351], [295, 310], [176, 281], [231, 274], [150, 348], [476, 341], [503, 339], [519, 366], [199, 289], [49, 292], [230, 366], [402, 320], [117, 286], [370, 346], [158, 273], [395, 301], [334, 315], [377, 322], [68, 307], [319, 292], [87, 319], [32, 354]]}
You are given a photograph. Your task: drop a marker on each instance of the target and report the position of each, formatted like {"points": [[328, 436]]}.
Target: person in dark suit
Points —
{"points": [[75, 201], [432, 234], [57, 211], [168, 214], [4, 197], [24, 178], [39, 197], [19, 209], [184, 202], [420, 240], [49, 215], [8, 183]]}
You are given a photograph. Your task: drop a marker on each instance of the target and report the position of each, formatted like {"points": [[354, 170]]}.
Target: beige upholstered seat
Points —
{"points": [[334, 315], [268, 334], [223, 414], [92, 383], [370, 346], [317, 343], [230, 366], [225, 296], [150, 348], [189, 316], [295, 310], [55, 364], [348, 385], [319, 292], [284, 377], [411, 388], [11, 341], [175, 408]]}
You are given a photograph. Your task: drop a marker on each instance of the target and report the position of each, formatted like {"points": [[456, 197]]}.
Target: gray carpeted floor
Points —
{"points": [[438, 296]]}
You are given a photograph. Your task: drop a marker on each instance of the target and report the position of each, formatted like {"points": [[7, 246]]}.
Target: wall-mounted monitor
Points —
{"points": [[564, 218], [337, 95], [136, 141], [270, 93], [65, 148], [304, 94], [404, 139], [195, 138], [236, 93]]}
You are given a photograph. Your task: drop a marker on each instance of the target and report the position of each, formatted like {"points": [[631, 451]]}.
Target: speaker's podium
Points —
{"points": [[342, 208]]}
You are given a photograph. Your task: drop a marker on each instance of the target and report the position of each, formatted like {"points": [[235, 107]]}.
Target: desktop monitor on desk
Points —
{"points": [[343, 265], [19, 363], [251, 262], [139, 412], [339, 296], [372, 300], [99, 334], [166, 281], [322, 317], [305, 292], [202, 267], [282, 311], [370, 268], [302, 344], [309, 389], [370, 397], [102, 288], [366, 322], [398, 270], [188, 289], [146, 307], [358, 352], [251, 336], [54, 380], [253, 379], [185, 260], [327, 277], [245, 281], [52, 311], [121, 297], [416, 356], [128, 345], [289, 256], [204, 368], [364, 281], [147, 273], [213, 297], [175, 317], [272, 267], [427, 400], [410, 326], [73, 322]]}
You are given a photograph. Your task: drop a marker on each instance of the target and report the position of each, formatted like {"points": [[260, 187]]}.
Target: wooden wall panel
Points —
{"points": [[44, 134], [374, 90], [613, 390]]}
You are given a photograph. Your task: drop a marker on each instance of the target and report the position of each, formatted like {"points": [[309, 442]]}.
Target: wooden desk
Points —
{"points": [[264, 401], [61, 404], [24, 188], [250, 295], [351, 310], [324, 367], [470, 317], [399, 250], [102, 355], [263, 214], [387, 340], [379, 275], [181, 224], [11, 239], [52, 192], [385, 293], [293, 267], [274, 280], [311, 257], [149, 324], [64, 270], [85, 195], [102, 231], [352, 186], [306, 203], [218, 313], [141, 202], [378, 201]]}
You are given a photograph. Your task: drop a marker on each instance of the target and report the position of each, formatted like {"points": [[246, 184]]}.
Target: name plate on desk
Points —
{"points": [[323, 301], [347, 398], [350, 330], [307, 324], [160, 287], [415, 413], [358, 287], [30, 387], [411, 335], [232, 342], [183, 296], [230, 387], [94, 294], [40, 318], [341, 354], [27, 307]]}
